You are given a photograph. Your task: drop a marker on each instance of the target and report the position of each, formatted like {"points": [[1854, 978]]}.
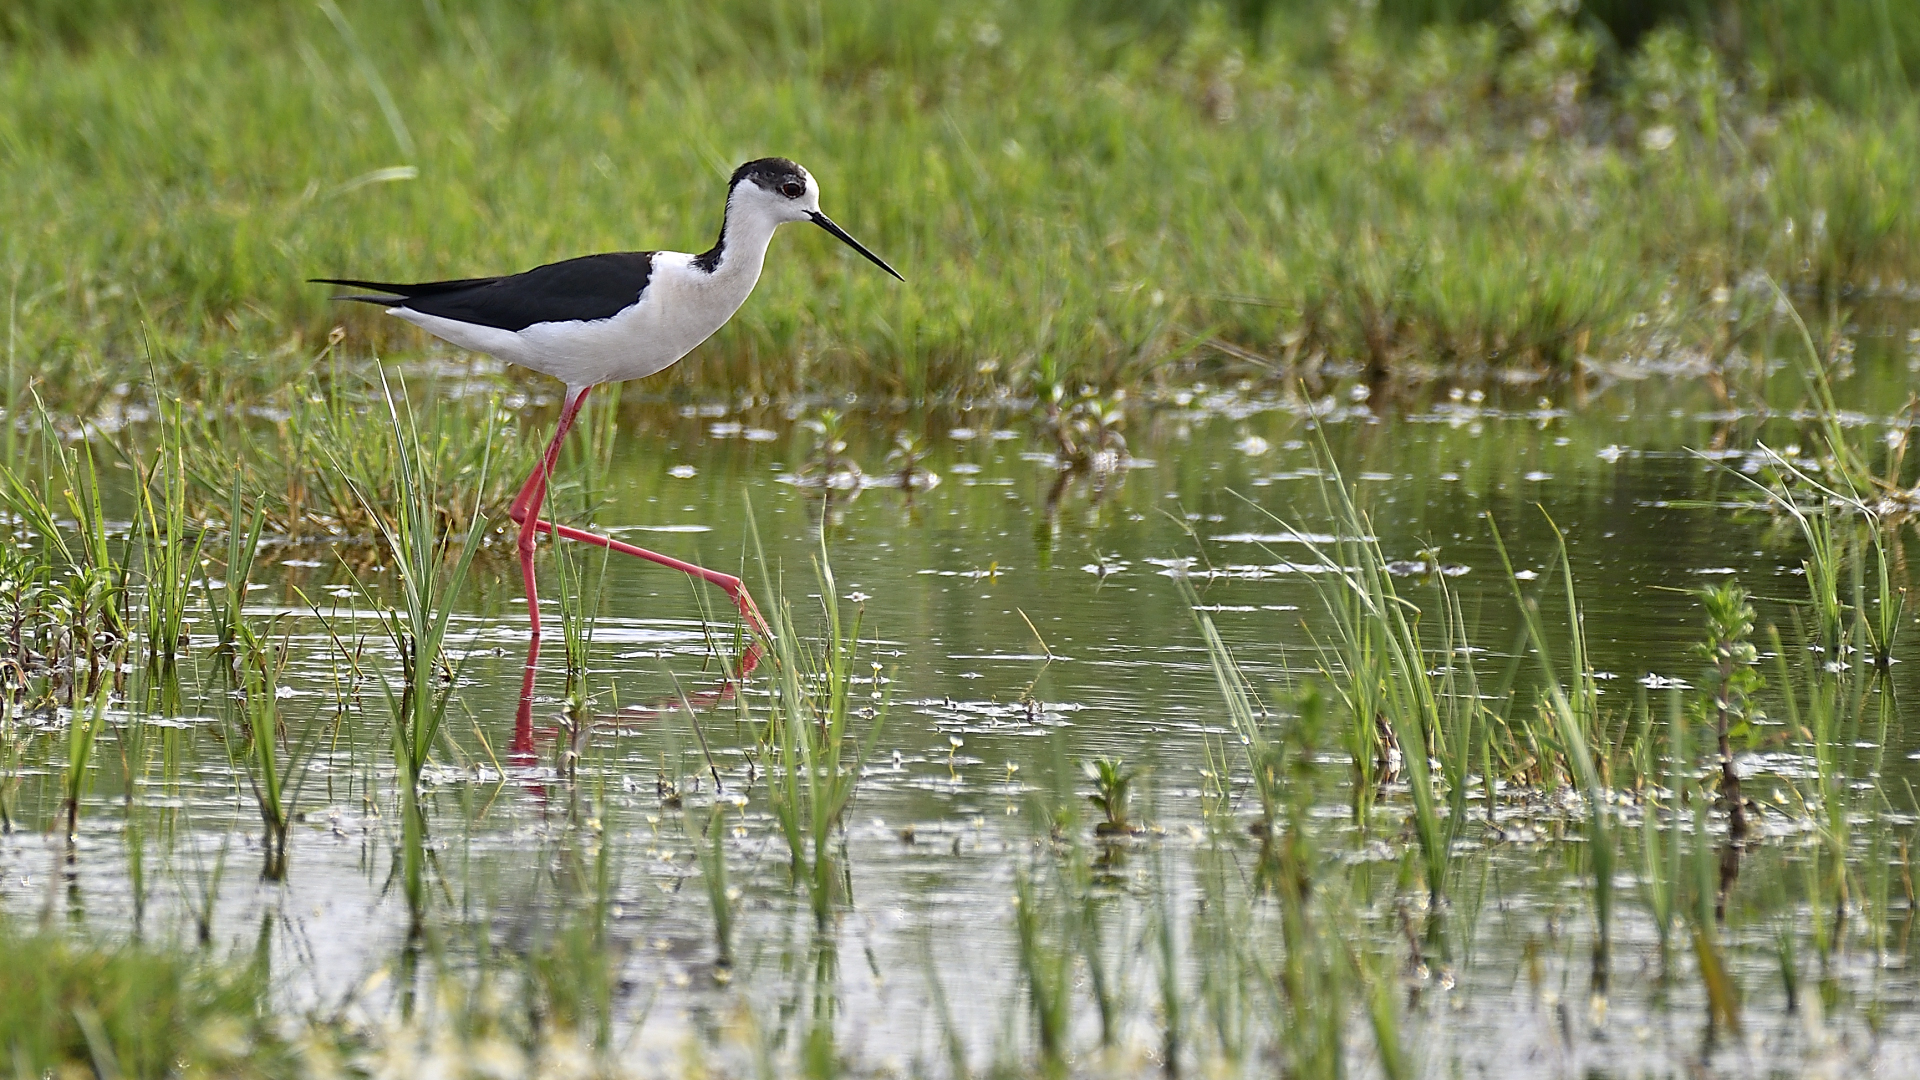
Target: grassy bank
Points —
{"points": [[1077, 192]]}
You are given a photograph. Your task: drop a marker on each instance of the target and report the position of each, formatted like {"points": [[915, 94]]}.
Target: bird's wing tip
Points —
{"points": [[392, 293]]}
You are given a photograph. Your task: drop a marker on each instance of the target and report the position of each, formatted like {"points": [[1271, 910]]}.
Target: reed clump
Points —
{"points": [[328, 453], [429, 565], [71, 616], [1303, 898], [1409, 702], [820, 731]]}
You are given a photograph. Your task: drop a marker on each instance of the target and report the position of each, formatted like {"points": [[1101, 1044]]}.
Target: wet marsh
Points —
{"points": [[1343, 560], [1074, 784]]}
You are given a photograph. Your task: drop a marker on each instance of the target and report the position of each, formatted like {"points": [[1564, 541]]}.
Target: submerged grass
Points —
{"points": [[1404, 712], [427, 574], [815, 753], [1572, 705]]}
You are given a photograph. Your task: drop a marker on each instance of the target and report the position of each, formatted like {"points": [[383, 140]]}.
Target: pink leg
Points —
{"points": [[732, 586], [526, 511]]}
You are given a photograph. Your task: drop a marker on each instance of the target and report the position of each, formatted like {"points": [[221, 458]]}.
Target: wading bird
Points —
{"points": [[609, 318]]}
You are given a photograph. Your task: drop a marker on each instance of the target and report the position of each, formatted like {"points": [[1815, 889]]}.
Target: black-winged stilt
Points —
{"points": [[608, 318]]}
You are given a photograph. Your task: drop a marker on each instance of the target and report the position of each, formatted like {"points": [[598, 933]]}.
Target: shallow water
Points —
{"points": [[1022, 625]]}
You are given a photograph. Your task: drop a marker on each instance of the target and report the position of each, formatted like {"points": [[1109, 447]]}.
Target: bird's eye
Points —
{"points": [[793, 189]]}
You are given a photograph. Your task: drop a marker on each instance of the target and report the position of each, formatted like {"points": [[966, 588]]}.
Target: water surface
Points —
{"points": [[1023, 622]]}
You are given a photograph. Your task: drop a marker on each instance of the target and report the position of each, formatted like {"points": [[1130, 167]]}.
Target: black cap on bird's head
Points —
{"points": [[788, 181], [770, 173]]}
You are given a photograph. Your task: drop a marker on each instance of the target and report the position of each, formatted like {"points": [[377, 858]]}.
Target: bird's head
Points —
{"points": [[778, 190]]}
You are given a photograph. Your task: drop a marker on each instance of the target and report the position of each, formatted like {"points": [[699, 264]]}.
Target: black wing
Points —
{"points": [[587, 288]]}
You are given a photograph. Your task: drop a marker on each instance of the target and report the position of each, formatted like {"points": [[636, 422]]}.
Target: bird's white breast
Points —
{"points": [[680, 308]]}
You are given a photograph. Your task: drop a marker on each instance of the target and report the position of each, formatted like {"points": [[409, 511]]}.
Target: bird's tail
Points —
{"points": [[398, 291]]}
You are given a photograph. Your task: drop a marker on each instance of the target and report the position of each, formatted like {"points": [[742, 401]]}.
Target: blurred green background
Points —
{"points": [[1098, 192]]}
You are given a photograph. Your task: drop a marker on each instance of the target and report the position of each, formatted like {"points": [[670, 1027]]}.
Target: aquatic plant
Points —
{"points": [[428, 576], [1084, 427], [814, 754], [25, 629], [226, 600], [1168, 971], [1572, 705], [1112, 793], [331, 451], [1323, 973], [199, 883], [1716, 977], [579, 607], [85, 724], [1826, 706], [1844, 462], [1660, 876], [167, 562], [1045, 971], [274, 758], [1246, 714], [260, 670], [907, 460], [1729, 685], [85, 586], [1402, 710], [1225, 1006], [827, 468], [711, 850]]}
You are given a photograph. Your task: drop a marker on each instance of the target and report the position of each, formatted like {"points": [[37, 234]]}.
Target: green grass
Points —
{"points": [[71, 1009], [428, 574], [818, 738], [1697, 856], [274, 754], [1075, 197], [73, 593], [1408, 699], [1572, 707], [167, 563]]}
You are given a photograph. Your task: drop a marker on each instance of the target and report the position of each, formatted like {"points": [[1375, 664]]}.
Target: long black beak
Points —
{"points": [[826, 223]]}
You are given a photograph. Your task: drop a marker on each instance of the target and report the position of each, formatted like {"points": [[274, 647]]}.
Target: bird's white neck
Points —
{"points": [[741, 250]]}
